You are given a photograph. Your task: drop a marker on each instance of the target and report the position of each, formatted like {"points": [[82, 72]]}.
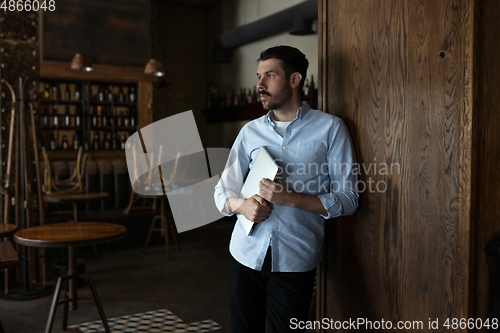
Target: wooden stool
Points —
{"points": [[8, 256], [166, 226]]}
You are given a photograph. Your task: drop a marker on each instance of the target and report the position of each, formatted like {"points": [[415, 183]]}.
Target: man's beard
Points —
{"points": [[280, 99]]}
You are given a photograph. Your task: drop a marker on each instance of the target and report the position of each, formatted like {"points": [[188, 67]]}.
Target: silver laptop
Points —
{"points": [[264, 166]]}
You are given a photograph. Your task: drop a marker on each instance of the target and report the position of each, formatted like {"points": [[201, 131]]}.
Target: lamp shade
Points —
{"points": [[81, 63], [154, 68]]}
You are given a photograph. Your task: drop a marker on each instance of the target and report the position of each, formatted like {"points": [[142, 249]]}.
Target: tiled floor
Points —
{"points": [[160, 321]]}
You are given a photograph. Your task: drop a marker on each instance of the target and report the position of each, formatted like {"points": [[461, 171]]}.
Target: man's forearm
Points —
{"points": [[232, 205], [309, 203]]}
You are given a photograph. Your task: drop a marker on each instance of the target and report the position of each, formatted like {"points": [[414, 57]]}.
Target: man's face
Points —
{"points": [[274, 89]]}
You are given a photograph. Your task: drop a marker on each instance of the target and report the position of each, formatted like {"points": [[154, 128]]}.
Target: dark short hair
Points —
{"points": [[291, 58]]}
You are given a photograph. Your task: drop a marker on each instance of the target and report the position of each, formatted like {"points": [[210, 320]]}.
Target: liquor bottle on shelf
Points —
{"points": [[110, 95], [132, 121], [55, 93], [121, 95], [234, 98], [77, 94], [67, 117], [243, 98], [105, 117], [67, 93], [45, 117], [77, 119], [126, 121], [118, 118], [52, 144], [64, 142], [55, 117], [306, 87], [107, 141], [100, 94], [312, 87], [76, 141], [131, 95], [46, 92], [94, 116], [123, 140], [111, 117], [113, 141], [95, 142], [99, 116]]}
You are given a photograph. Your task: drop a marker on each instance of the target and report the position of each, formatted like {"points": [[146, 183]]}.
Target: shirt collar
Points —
{"points": [[301, 113]]}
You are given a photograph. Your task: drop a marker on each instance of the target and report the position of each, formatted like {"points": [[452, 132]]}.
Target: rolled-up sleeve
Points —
{"points": [[343, 197]]}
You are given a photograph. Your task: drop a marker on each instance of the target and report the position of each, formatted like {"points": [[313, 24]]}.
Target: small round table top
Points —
{"points": [[74, 197], [70, 234], [7, 229]]}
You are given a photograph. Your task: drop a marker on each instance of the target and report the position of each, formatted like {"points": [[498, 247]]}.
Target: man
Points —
{"points": [[273, 269]]}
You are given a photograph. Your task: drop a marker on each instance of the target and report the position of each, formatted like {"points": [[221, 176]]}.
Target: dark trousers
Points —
{"points": [[255, 295]]}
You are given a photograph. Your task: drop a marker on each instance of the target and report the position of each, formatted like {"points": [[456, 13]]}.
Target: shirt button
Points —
{"points": [[284, 147]]}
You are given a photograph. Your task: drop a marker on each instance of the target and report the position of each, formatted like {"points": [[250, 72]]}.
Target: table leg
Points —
{"points": [[72, 280], [65, 316], [52, 312], [169, 223], [164, 226], [98, 303]]}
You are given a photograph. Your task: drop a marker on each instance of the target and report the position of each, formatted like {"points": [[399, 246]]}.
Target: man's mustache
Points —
{"points": [[262, 92]]}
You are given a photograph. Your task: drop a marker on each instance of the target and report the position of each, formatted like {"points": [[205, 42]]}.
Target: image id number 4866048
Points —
{"points": [[28, 5]]}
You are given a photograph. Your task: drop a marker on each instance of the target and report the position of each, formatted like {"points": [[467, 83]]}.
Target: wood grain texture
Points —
{"points": [[70, 234], [7, 229], [485, 192], [416, 88]]}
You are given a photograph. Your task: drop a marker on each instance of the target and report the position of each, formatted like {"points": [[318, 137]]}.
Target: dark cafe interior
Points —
{"points": [[91, 238]]}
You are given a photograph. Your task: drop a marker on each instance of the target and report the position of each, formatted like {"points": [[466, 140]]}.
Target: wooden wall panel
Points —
{"points": [[486, 148], [113, 32], [400, 73]]}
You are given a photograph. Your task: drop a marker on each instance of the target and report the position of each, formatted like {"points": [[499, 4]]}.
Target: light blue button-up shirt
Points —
{"points": [[316, 157]]}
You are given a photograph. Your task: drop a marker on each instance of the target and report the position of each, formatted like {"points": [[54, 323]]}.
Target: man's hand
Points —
{"points": [[255, 208], [276, 192], [279, 194]]}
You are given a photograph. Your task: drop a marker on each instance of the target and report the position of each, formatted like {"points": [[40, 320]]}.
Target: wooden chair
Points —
{"points": [[8, 259], [72, 184], [134, 197]]}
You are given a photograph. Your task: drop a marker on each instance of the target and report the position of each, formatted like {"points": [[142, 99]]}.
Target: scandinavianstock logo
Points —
{"points": [[173, 163]]}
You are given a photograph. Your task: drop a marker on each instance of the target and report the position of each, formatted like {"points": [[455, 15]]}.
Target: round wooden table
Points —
{"points": [[74, 198], [70, 235], [7, 229]]}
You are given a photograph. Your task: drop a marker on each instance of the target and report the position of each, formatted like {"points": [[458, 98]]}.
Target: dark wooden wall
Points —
{"points": [[485, 219], [113, 32], [416, 82]]}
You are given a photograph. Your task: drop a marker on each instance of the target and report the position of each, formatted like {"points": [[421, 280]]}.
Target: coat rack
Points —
{"points": [[24, 198]]}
